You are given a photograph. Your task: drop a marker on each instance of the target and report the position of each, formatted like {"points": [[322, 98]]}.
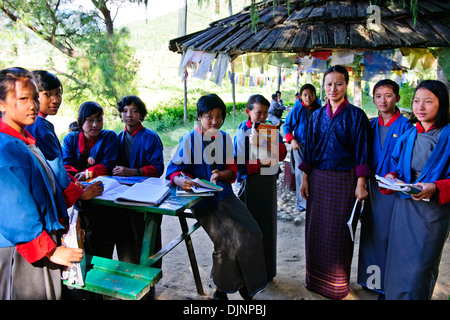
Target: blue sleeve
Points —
{"points": [[111, 146], [154, 153], [69, 149]]}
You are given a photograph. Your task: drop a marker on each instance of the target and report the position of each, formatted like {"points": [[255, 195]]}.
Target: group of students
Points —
{"points": [[334, 148], [337, 152]]}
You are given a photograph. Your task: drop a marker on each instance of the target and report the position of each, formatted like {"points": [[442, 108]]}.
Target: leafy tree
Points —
{"points": [[101, 66]]}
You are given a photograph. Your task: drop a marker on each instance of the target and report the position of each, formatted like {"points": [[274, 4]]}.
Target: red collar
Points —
{"points": [[199, 130], [27, 138], [249, 123], [420, 129], [338, 109], [82, 142], [391, 121], [135, 131], [42, 115], [309, 108]]}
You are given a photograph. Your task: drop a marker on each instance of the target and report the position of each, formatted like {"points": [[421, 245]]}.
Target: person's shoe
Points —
{"points": [[244, 294], [219, 295]]}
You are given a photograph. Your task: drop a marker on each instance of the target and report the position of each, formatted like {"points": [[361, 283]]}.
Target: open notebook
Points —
{"points": [[149, 192]]}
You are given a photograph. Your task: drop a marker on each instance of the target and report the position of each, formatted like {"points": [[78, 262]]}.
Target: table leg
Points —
{"points": [[148, 243], [191, 253]]}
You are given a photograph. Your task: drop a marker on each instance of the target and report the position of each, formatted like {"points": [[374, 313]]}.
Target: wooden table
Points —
{"points": [[171, 206]]}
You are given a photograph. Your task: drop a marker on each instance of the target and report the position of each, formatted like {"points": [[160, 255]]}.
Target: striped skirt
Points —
{"points": [[329, 248]]}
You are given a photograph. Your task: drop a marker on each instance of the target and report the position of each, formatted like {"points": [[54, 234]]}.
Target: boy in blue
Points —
{"points": [[259, 179], [207, 153], [140, 154], [387, 129]]}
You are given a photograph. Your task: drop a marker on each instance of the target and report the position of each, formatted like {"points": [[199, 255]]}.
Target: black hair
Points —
{"points": [[274, 96], [46, 81], [9, 77], [257, 98], [87, 109], [307, 86], [387, 83], [210, 102], [128, 100], [278, 92], [439, 89], [339, 69]]}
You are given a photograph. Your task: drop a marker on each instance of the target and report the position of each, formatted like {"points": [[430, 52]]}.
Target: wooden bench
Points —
{"points": [[118, 279]]}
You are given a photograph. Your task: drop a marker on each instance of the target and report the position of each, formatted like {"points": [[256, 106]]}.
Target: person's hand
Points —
{"points": [[304, 189], [84, 175], [65, 256], [388, 191], [124, 171], [185, 183], [92, 190], [215, 175], [428, 190], [361, 191], [294, 145], [253, 139]]}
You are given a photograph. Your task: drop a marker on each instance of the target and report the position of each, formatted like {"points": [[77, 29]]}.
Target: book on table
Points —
{"points": [[149, 192], [73, 239]]}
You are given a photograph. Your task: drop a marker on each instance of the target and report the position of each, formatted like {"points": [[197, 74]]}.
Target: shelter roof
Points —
{"points": [[320, 25]]}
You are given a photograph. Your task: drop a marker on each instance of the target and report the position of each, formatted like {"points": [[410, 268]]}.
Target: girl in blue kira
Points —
{"points": [[421, 156], [30, 250]]}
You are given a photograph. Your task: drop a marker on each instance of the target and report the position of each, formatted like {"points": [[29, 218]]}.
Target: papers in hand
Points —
{"points": [[397, 185], [206, 188], [189, 193], [73, 239], [149, 192], [352, 223]]}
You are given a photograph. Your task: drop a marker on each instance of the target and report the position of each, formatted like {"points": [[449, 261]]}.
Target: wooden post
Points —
{"points": [[182, 25], [233, 88], [185, 98], [279, 79]]}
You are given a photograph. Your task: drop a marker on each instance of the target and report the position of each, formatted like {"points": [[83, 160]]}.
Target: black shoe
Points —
{"points": [[244, 294], [219, 295]]}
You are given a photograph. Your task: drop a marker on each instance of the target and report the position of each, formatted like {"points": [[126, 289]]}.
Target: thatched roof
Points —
{"points": [[319, 25]]}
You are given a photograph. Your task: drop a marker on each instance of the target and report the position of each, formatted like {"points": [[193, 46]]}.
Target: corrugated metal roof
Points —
{"points": [[317, 25]]}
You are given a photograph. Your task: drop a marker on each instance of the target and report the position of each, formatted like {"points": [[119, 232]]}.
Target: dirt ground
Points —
{"points": [[178, 283]]}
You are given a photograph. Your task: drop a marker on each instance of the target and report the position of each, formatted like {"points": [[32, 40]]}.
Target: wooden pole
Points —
{"points": [[233, 83], [182, 27], [279, 79]]}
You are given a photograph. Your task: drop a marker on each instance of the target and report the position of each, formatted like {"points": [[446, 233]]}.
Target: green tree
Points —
{"points": [[101, 65]]}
